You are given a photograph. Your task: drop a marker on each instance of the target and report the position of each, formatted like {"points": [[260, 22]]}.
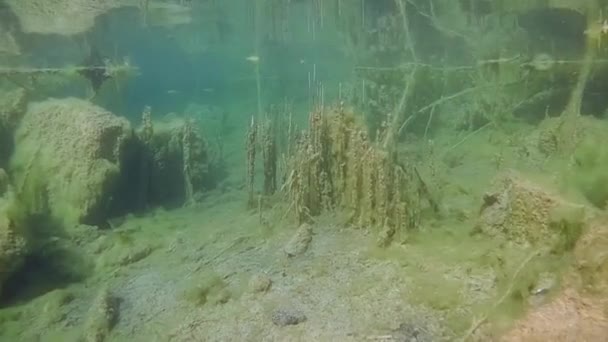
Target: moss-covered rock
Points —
{"points": [[67, 160], [528, 213]]}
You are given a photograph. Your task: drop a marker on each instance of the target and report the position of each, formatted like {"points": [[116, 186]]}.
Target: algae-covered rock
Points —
{"points": [[68, 159], [527, 213], [300, 241], [259, 283]]}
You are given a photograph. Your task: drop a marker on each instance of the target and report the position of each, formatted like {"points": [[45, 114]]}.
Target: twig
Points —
{"points": [[433, 20], [428, 123], [426, 191], [390, 136], [467, 137], [407, 66], [67, 70], [441, 100], [478, 322], [404, 124], [382, 337], [453, 96]]}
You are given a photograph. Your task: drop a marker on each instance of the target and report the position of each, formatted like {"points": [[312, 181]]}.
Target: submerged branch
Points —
{"points": [[110, 70]]}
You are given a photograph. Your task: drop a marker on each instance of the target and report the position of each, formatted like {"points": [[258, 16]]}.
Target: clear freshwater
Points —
{"points": [[303, 170]]}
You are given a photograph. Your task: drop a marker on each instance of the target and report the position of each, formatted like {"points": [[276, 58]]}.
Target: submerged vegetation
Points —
{"points": [[357, 170]]}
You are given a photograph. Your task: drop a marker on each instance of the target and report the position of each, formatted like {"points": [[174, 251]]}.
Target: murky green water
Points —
{"points": [[303, 170]]}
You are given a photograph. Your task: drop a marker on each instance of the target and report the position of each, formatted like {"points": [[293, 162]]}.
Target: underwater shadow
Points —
{"points": [[50, 265]]}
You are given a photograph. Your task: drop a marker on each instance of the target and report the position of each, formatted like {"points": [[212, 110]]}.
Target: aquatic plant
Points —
{"points": [[269, 155], [174, 161], [251, 148], [333, 166]]}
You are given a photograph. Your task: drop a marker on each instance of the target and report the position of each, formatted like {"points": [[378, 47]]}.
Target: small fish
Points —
{"points": [[598, 29], [253, 59], [540, 291], [596, 32], [171, 92], [208, 90]]}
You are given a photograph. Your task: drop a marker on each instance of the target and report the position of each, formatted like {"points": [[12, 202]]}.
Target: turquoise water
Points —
{"points": [[311, 170]]}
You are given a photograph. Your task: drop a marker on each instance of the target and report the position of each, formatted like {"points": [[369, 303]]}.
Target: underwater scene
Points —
{"points": [[303, 170]]}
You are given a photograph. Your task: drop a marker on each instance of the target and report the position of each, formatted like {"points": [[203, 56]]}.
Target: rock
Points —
{"points": [[283, 317], [523, 211], [68, 157], [260, 283], [408, 332], [300, 241]]}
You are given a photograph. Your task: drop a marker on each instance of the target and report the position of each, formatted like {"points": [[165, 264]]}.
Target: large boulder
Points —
{"points": [[67, 160]]}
